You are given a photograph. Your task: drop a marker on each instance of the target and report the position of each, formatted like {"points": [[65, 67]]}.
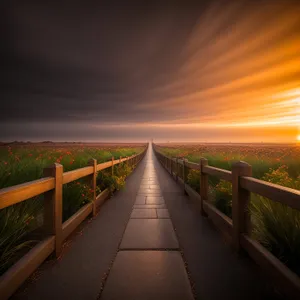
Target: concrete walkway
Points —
{"points": [[148, 264], [130, 250]]}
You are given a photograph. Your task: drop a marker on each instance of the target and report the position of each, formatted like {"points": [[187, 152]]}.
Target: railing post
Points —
{"points": [[112, 165], [129, 161], [183, 173], [53, 206], [176, 168], [171, 162], [203, 185], [93, 183], [240, 203]]}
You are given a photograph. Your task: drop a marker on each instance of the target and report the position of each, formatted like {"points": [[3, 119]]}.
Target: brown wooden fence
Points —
{"points": [[52, 185], [238, 229]]}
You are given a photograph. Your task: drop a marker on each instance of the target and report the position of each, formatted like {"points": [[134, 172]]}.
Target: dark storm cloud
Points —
{"points": [[66, 61], [70, 69]]}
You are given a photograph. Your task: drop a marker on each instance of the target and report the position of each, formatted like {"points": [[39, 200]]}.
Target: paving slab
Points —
{"points": [[162, 213], [149, 192], [155, 200], [151, 182], [145, 186], [149, 234], [154, 186], [149, 213], [145, 206], [140, 200], [151, 275], [148, 181]]}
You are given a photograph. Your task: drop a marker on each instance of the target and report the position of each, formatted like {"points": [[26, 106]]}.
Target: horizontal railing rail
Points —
{"points": [[238, 229], [57, 231]]}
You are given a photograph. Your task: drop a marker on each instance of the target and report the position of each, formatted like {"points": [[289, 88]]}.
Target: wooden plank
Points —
{"points": [[203, 183], [180, 161], [194, 196], [104, 165], [221, 221], [75, 220], [102, 197], [220, 173], [76, 174], [192, 165], [180, 181], [18, 193], [93, 183], [13, 278], [53, 206], [272, 191], [191, 192], [240, 203], [285, 279]]}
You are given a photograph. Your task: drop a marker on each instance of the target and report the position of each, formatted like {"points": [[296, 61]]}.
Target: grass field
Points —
{"points": [[23, 163], [276, 226]]}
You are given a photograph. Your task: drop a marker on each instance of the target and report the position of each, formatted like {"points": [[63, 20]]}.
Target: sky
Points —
{"points": [[189, 71]]}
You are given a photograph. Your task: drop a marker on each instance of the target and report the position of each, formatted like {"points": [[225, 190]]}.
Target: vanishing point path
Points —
{"points": [[148, 242]]}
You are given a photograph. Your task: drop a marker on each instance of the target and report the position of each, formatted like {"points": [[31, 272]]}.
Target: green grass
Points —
{"points": [[19, 222]]}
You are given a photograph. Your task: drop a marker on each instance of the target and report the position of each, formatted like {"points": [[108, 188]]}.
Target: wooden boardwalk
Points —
{"points": [[148, 242]]}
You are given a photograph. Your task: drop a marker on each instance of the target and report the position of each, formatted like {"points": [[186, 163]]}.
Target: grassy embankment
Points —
{"points": [[275, 225], [22, 164]]}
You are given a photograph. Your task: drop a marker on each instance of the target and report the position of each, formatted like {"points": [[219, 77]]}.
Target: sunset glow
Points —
{"points": [[214, 73]]}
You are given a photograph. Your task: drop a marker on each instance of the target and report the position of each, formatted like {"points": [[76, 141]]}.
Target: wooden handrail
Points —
{"points": [[275, 192], [237, 229], [18, 193], [52, 185], [220, 173], [192, 165], [21, 192], [77, 174]]}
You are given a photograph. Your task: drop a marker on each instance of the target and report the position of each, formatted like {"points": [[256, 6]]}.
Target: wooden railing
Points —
{"points": [[56, 231], [238, 229]]}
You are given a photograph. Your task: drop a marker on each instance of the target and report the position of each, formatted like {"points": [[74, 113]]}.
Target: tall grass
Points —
{"points": [[16, 222], [19, 222], [276, 225]]}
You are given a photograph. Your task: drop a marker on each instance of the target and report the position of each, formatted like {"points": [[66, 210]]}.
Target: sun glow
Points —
{"points": [[298, 138]]}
